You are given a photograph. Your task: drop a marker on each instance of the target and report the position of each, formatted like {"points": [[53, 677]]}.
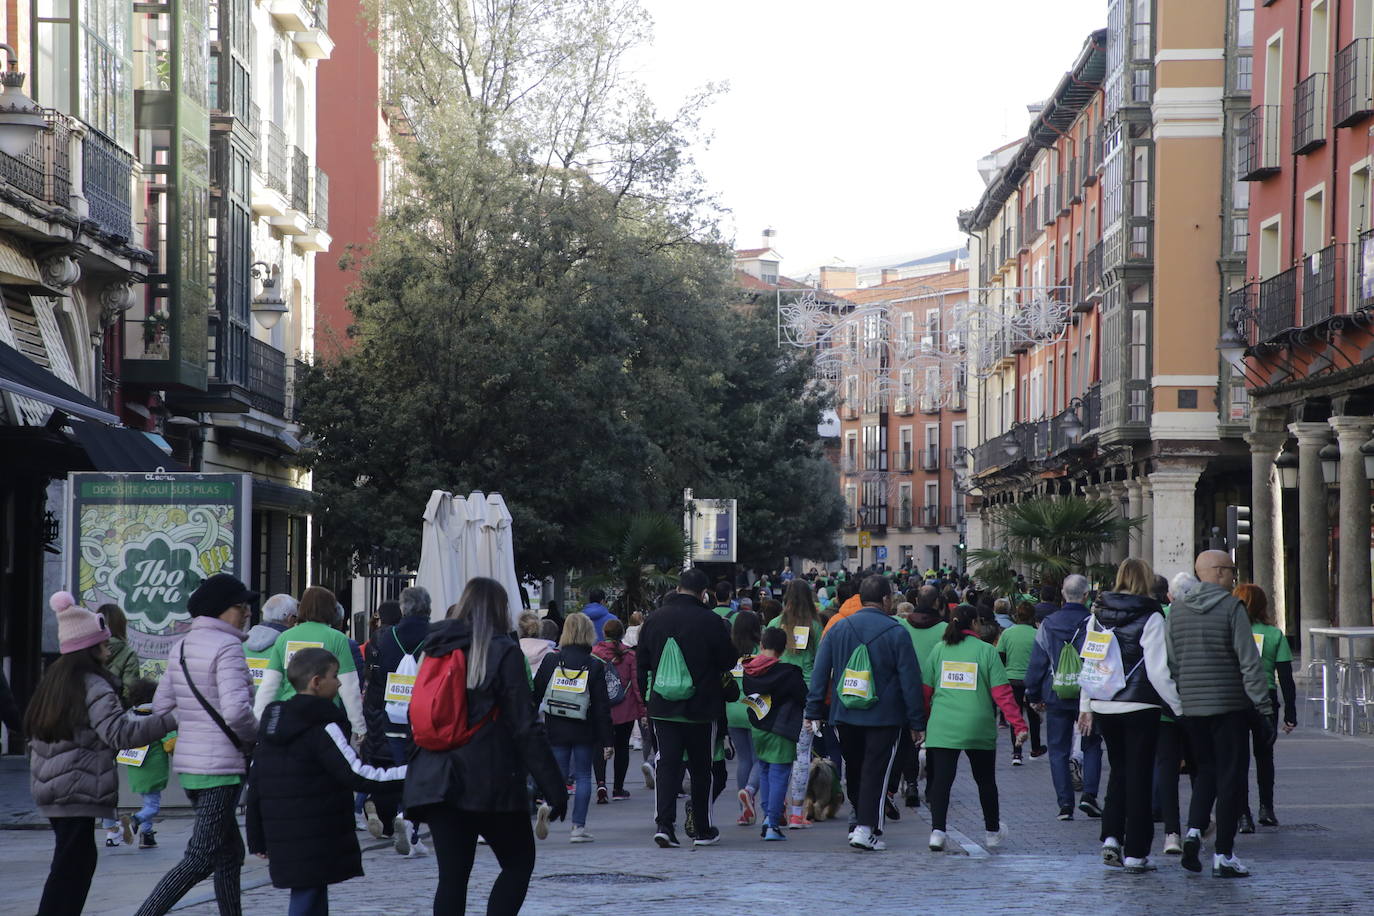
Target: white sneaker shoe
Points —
{"points": [[1173, 844], [994, 838], [647, 769], [580, 835], [374, 823], [863, 838], [418, 849], [937, 841], [541, 822], [401, 826], [359, 822]]}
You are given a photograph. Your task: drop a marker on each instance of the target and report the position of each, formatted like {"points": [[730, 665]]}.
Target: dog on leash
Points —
{"points": [[823, 793]]}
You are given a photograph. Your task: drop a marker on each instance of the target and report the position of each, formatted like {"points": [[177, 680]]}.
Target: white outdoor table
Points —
{"points": [[1332, 637]]}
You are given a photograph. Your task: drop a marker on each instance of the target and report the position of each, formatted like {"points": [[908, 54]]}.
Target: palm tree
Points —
{"points": [[638, 556], [1050, 538]]}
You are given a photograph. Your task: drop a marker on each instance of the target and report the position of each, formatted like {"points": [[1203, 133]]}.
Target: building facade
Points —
{"points": [[1096, 370], [1299, 322]]}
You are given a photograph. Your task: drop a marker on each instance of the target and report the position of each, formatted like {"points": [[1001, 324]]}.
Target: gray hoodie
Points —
{"points": [[263, 637], [1212, 654]]}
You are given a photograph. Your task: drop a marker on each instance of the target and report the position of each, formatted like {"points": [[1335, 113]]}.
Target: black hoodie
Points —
{"points": [[300, 793], [785, 689], [487, 773]]}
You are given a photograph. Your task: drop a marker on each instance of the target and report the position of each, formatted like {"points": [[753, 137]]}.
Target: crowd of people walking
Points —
{"points": [[865, 687]]}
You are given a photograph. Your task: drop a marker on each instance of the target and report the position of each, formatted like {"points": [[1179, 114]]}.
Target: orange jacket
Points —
{"points": [[849, 607]]}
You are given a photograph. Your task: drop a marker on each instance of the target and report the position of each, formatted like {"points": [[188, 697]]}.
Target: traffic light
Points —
{"points": [[1237, 526]]}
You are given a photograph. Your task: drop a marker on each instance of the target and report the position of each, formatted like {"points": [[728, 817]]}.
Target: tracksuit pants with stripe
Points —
{"points": [[868, 752], [215, 847]]}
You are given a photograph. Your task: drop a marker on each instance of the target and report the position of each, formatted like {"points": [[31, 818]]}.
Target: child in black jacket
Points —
{"points": [[300, 794], [775, 694]]}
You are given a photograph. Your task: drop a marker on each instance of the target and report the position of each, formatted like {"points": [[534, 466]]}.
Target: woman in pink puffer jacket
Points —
{"points": [[210, 763]]}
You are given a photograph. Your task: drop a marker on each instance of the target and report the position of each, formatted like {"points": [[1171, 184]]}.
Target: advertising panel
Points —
{"points": [[713, 531]]}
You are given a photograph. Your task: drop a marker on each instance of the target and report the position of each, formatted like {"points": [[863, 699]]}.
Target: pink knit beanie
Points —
{"points": [[77, 628]]}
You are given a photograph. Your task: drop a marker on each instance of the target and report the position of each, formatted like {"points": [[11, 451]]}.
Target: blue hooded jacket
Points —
{"points": [[1064, 625]]}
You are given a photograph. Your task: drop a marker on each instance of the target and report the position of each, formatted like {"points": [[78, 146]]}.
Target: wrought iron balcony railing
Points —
{"points": [[1278, 299], [276, 156], [300, 180], [107, 171], [1322, 272], [43, 171], [1354, 82], [266, 378], [1259, 148], [1309, 113]]}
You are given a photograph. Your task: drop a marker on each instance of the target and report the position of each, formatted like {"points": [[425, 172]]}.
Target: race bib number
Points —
{"points": [[133, 756], [737, 672], [399, 687], [959, 675], [1259, 643], [256, 667], [855, 683], [1095, 646], [570, 681], [293, 646], [801, 638], [759, 703]]}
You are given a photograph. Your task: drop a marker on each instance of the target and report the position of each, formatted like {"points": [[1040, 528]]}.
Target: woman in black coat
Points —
{"points": [[479, 789], [576, 741]]}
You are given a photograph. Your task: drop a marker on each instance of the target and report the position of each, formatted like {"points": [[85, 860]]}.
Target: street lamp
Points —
{"points": [[268, 305], [1367, 450], [21, 118], [1287, 464], [1330, 456], [1232, 347]]}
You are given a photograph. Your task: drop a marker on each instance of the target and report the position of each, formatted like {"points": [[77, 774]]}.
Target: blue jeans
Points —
{"points": [[309, 901], [575, 762], [152, 804], [773, 790], [1059, 728], [746, 764]]}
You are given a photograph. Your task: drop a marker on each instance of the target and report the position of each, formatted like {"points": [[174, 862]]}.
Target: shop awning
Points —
{"points": [[22, 376], [118, 448]]}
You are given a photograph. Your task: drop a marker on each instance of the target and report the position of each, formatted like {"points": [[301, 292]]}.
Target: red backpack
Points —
{"points": [[439, 704]]}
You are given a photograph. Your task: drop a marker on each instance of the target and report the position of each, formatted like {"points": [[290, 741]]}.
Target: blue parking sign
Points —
{"points": [[880, 553]]}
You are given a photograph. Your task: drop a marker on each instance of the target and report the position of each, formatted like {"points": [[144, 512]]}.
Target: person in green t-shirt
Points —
{"points": [[317, 612], [1277, 657], [801, 621], [745, 635], [963, 681], [1014, 645], [776, 693]]}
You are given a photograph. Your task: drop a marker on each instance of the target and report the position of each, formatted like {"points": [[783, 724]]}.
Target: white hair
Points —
{"points": [[279, 608], [1075, 588], [1181, 584], [414, 601]]}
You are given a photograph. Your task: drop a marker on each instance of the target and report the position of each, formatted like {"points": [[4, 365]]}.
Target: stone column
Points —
{"points": [[1266, 513], [1352, 603], [1174, 483], [1314, 576], [1117, 494], [1147, 533], [1133, 509]]}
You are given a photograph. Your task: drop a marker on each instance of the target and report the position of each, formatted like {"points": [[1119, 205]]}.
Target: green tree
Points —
{"points": [[634, 557], [1048, 539]]}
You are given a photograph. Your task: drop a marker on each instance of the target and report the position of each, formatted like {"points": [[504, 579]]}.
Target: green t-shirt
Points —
{"points": [[1016, 643], [302, 636], [805, 659], [771, 748], [736, 713], [962, 711], [1273, 648], [725, 612], [202, 781], [923, 640]]}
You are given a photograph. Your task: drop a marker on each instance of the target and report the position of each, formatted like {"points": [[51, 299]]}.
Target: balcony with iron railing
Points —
{"points": [[851, 518], [293, 393], [904, 404], [300, 180], [1049, 211], [1354, 82], [849, 464], [1309, 113], [874, 460], [904, 516], [319, 215], [1322, 273], [930, 516], [958, 399], [1362, 273], [1276, 306], [1259, 147], [1071, 190], [902, 459], [873, 517], [276, 173], [43, 171], [930, 458], [849, 411], [266, 378], [107, 171]]}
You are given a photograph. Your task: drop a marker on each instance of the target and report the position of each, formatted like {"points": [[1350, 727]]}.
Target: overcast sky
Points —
{"points": [[854, 129]]}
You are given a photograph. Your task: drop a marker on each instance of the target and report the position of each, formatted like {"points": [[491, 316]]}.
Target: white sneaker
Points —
{"points": [[937, 841], [1173, 844], [994, 838], [114, 837], [580, 835], [370, 818], [863, 838], [418, 849], [401, 826], [541, 822], [359, 822], [647, 769]]}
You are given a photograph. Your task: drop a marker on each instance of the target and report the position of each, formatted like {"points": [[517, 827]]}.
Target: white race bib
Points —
{"points": [[1259, 642], [737, 672], [293, 646], [1095, 646], [399, 687], [133, 756], [570, 681], [257, 667], [801, 638], [959, 675]]}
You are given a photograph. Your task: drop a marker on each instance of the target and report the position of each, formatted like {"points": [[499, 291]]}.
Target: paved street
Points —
{"points": [[1315, 863]]}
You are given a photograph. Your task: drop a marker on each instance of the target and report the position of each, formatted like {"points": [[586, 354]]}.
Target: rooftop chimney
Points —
{"points": [[770, 238], [890, 274], [835, 278]]}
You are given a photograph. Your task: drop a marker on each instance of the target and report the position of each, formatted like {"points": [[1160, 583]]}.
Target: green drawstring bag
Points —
{"points": [[1065, 680], [672, 680], [856, 687]]}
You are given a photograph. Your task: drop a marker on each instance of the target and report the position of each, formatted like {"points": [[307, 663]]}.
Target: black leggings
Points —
{"points": [[454, 834], [941, 765], [1018, 691], [621, 734], [1264, 757], [73, 865]]}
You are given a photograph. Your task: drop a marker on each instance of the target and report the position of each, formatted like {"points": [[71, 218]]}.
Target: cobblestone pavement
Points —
{"points": [[1314, 863]]}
